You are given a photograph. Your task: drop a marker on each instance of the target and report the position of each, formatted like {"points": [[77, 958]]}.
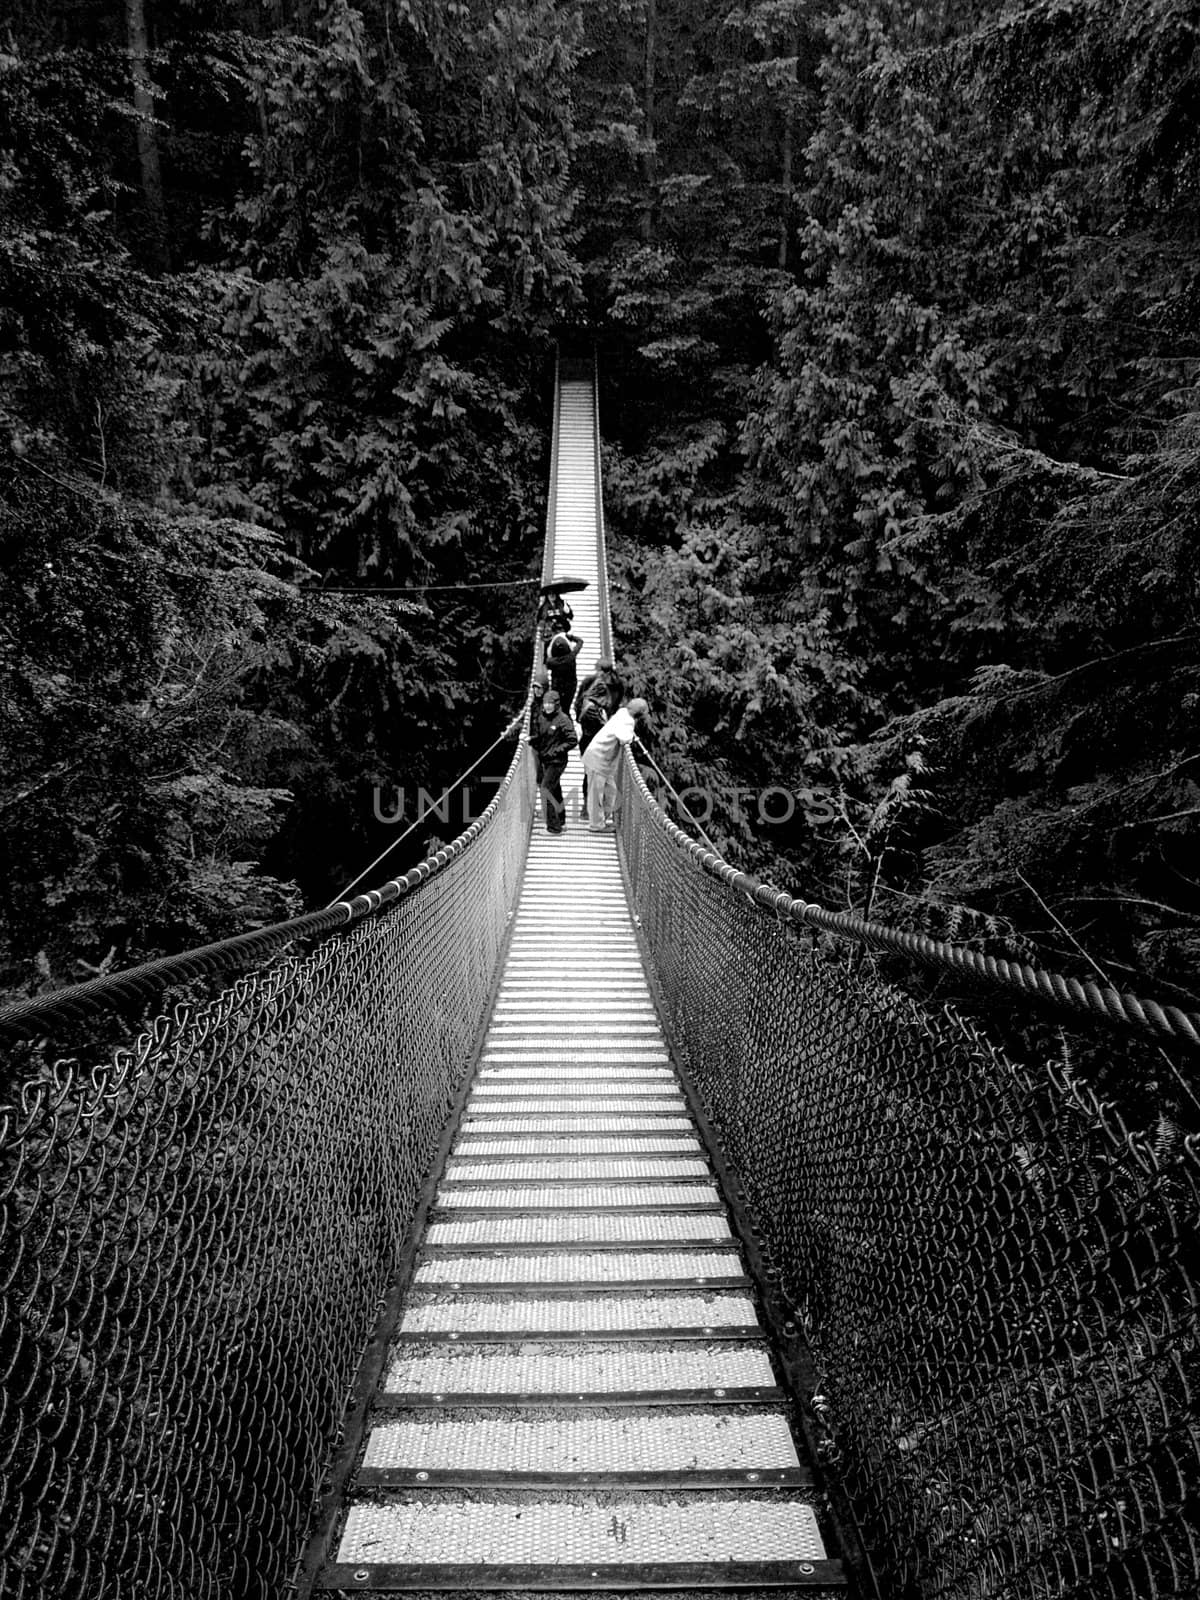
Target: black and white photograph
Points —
{"points": [[600, 799]]}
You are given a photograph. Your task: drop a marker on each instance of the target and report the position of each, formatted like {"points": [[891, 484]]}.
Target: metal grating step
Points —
{"points": [[547, 904], [604, 1058], [636, 1015], [621, 1056], [603, 947], [669, 1160], [631, 1010], [531, 983], [655, 1197], [579, 1228], [525, 975], [621, 1442], [645, 1080], [606, 919], [546, 909], [696, 1266], [534, 1064], [602, 994], [611, 950], [646, 1085], [615, 923], [597, 1006], [532, 1016], [557, 1127], [499, 1103], [550, 1170], [566, 1039], [542, 1101], [574, 1371], [622, 977], [606, 1530], [668, 1143], [600, 1053], [592, 928], [528, 1316]]}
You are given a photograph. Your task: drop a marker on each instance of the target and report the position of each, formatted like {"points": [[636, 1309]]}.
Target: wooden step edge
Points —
{"points": [[625, 1179], [660, 1144], [485, 1112], [739, 1333], [577, 1286], [550, 1247], [475, 1213], [621, 1399], [369, 1479], [812, 1576], [604, 1092]]}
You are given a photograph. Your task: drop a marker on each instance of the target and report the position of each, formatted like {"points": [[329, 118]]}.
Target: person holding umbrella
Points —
{"points": [[554, 615]]}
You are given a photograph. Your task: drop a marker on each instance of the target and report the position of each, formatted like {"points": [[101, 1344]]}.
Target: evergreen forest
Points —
{"points": [[897, 314]]}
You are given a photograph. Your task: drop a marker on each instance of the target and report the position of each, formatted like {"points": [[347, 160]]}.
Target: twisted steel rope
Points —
{"points": [[1111, 1005], [201, 1222], [29, 1018], [992, 1273], [199, 1227]]}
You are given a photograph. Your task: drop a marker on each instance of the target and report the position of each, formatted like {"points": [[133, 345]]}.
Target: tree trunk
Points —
{"points": [[650, 159], [786, 160], [147, 138], [786, 186]]}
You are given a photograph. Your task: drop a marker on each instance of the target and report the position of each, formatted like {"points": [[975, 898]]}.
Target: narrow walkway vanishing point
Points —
{"points": [[578, 1393], [492, 1230]]}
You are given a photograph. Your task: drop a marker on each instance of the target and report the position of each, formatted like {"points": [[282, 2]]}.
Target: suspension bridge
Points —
{"points": [[572, 1215]]}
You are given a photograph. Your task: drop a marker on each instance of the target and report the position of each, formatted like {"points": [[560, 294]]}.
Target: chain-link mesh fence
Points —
{"points": [[198, 1233], [997, 1282]]}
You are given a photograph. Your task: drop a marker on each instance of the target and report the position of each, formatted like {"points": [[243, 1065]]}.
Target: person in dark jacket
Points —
{"points": [[552, 737], [599, 696], [603, 686], [560, 659], [592, 709]]}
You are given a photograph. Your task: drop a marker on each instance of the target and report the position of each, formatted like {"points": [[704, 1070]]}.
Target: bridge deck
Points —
{"points": [[579, 1394]]}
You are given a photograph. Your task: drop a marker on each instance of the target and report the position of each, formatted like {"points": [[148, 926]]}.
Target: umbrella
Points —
{"points": [[564, 585]]}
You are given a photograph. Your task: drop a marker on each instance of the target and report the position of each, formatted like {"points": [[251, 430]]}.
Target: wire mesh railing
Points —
{"points": [[198, 1234], [996, 1281]]}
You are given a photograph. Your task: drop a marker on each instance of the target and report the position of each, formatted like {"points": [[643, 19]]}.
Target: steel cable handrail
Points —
{"points": [[1111, 1005], [510, 731], [552, 492], [991, 1275], [28, 1018], [200, 1223], [606, 644]]}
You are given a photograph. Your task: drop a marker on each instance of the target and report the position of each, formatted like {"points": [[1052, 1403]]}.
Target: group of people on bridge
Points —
{"points": [[602, 725]]}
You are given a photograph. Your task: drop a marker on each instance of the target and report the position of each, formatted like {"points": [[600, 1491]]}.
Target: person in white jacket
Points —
{"points": [[600, 763]]}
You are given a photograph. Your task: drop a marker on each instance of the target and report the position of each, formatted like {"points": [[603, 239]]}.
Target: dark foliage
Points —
{"points": [[930, 563], [339, 381], [899, 341]]}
